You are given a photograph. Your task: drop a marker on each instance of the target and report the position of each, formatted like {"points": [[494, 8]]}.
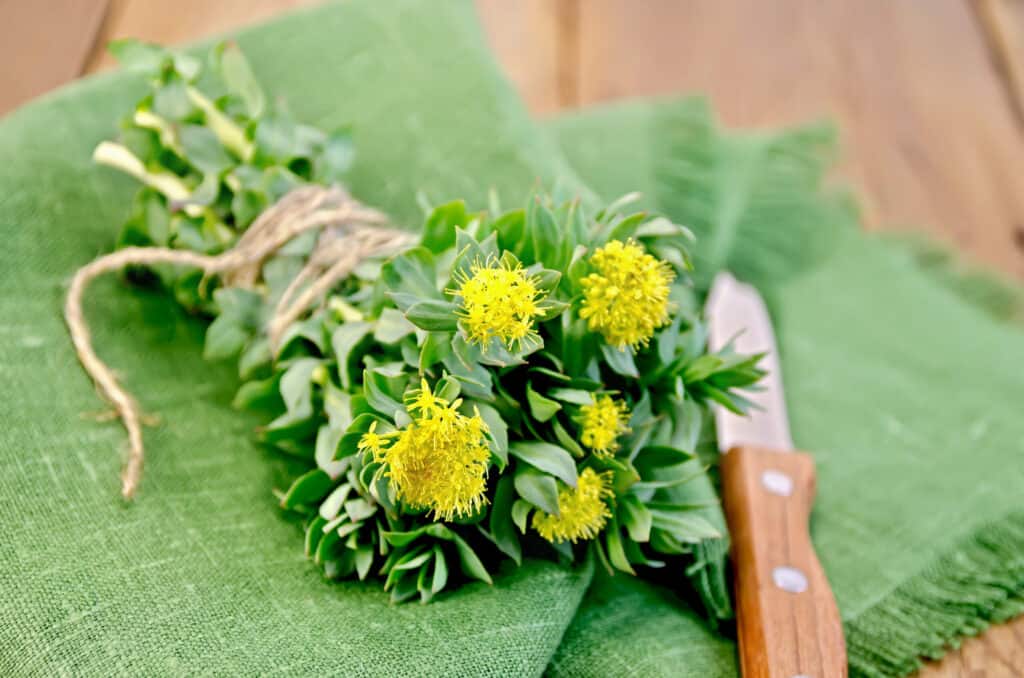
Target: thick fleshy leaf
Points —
{"points": [[548, 458]]}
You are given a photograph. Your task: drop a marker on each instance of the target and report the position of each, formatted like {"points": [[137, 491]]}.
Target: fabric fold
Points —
{"points": [[906, 393], [203, 573], [896, 379]]}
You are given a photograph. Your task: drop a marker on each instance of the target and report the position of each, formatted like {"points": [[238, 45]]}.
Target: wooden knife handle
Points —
{"points": [[787, 618]]}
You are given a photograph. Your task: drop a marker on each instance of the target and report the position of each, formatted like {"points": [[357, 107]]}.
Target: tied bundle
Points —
{"points": [[507, 383]]}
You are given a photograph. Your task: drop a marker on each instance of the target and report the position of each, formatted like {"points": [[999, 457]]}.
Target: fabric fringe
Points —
{"points": [[769, 192], [708, 574], [996, 295], [981, 582], [759, 203]]}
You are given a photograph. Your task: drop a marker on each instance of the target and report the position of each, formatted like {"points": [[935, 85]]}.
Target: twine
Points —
{"points": [[350, 232]]}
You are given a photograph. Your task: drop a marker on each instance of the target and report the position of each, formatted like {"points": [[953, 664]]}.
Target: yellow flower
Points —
{"points": [[626, 300], [498, 300], [603, 422], [582, 512], [439, 461]]}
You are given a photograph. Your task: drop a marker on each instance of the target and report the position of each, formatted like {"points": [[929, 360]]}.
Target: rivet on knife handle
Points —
{"points": [[788, 621]]}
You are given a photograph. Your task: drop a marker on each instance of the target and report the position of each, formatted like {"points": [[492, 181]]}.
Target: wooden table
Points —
{"points": [[929, 95]]}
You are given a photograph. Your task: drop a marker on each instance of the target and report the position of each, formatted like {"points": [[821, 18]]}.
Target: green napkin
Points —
{"points": [[903, 379], [904, 391]]}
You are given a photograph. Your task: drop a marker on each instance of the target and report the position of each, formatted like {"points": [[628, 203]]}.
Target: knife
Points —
{"points": [[787, 619]]}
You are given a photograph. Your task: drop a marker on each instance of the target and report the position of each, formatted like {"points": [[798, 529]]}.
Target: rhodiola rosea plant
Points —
{"points": [[501, 384]]}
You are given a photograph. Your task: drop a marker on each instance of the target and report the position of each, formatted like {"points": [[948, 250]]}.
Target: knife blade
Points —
{"points": [[787, 619], [737, 317]]}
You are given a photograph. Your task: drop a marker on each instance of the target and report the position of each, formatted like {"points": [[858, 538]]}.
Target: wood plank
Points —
{"points": [[182, 21], [998, 653], [925, 132], [928, 135], [29, 33], [1003, 23], [535, 41]]}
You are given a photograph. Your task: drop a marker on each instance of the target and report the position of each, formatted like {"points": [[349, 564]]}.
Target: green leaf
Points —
{"points": [[412, 273], [651, 457], [613, 539], [575, 396], [635, 517], [501, 525], [422, 585], [392, 327], [171, 101], [359, 509], [509, 228], [660, 477], [520, 512], [136, 55], [405, 588], [463, 364], [377, 396], [364, 561], [565, 440], [541, 408], [337, 156], [349, 442], [702, 368], [400, 539], [538, 488], [433, 315], [620, 360], [331, 506], [314, 533], [413, 559], [547, 457], [439, 229], [203, 150], [470, 562], [298, 333], [625, 227], [280, 139], [225, 338], [296, 386], [440, 571], [549, 244], [258, 394], [239, 78], [239, 319], [375, 389], [687, 417], [343, 342], [326, 544], [255, 356], [307, 490], [497, 430], [436, 347], [689, 527], [447, 388]]}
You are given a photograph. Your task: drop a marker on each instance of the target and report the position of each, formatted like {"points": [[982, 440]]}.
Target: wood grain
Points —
{"points": [[782, 633], [29, 32], [536, 42], [924, 93], [929, 137], [181, 21], [1003, 24]]}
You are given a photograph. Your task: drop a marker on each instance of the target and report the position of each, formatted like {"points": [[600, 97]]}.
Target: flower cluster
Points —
{"points": [[498, 301], [582, 511], [603, 421], [516, 384], [439, 461], [626, 299]]}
